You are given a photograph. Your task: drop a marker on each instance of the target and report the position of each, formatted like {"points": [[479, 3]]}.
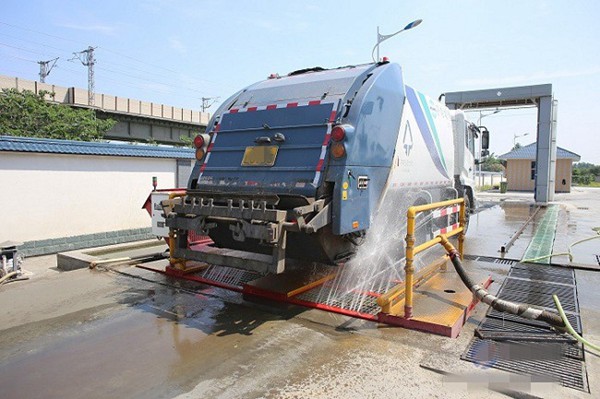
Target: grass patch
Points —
{"points": [[592, 184]]}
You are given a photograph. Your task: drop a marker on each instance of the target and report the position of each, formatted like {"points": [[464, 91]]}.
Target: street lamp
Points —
{"points": [[486, 115], [516, 136], [381, 38]]}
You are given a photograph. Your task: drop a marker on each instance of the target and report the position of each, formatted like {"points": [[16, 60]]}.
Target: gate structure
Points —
{"points": [[524, 96]]}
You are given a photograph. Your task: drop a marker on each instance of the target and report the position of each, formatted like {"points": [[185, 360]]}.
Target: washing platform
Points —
{"points": [[442, 303], [431, 299]]}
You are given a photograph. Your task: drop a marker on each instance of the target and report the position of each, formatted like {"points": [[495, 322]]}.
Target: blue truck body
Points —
{"points": [[270, 185]]}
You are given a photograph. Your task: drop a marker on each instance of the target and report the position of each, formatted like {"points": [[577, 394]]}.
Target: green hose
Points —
{"points": [[569, 328], [533, 260], [569, 254]]}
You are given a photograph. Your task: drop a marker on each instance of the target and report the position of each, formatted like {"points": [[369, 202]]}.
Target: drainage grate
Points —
{"points": [[541, 326], [538, 293], [228, 275], [508, 262], [547, 360], [490, 259], [598, 259], [528, 346], [508, 325], [354, 301], [557, 275]]}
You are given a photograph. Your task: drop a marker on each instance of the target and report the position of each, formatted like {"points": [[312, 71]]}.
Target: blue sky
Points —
{"points": [[176, 52]]}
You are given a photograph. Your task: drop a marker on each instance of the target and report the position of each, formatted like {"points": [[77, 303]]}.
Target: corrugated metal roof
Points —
{"points": [[52, 146], [529, 152]]}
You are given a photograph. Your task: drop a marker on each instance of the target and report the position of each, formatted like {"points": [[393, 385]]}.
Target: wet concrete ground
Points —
{"points": [[98, 334]]}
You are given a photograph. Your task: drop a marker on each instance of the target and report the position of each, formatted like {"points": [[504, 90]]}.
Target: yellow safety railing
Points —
{"points": [[411, 250]]}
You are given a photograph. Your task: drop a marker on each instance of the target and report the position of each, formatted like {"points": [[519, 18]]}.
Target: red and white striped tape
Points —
{"points": [[446, 230], [445, 211], [275, 106], [324, 148], [209, 149]]}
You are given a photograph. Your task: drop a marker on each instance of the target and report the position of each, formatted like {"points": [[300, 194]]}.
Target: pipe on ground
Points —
{"points": [[7, 276], [501, 305]]}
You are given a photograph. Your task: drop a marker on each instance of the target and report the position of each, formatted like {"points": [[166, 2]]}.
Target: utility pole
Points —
{"points": [[87, 59], [46, 68], [206, 102]]}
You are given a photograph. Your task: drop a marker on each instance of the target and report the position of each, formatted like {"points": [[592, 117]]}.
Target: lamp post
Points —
{"points": [[516, 136], [481, 116], [381, 38]]}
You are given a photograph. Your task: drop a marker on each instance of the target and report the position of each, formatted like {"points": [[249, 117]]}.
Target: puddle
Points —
{"points": [[160, 347]]}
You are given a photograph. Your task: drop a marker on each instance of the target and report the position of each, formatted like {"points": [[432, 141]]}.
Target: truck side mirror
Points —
{"points": [[485, 139]]}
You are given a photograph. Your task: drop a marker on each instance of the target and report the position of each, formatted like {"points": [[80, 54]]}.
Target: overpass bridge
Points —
{"points": [[136, 120]]}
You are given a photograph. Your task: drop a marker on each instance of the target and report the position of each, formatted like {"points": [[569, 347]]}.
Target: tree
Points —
{"points": [[492, 164], [26, 114], [584, 173]]}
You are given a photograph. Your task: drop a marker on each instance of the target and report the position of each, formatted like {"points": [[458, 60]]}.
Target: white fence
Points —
{"points": [[488, 178]]}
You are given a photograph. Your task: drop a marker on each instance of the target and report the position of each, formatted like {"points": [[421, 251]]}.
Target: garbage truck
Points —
{"points": [[294, 168]]}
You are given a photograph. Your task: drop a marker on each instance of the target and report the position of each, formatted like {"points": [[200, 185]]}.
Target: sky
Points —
{"points": [[177, 51]]}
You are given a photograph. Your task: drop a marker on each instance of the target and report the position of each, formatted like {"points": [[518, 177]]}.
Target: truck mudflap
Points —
{"points": [[251, 233]]}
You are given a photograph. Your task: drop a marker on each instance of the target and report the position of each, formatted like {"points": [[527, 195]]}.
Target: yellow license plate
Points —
{"points": [[260, 156]]}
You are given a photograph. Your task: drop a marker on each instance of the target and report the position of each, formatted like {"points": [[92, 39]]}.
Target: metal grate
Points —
{"points": [[598, 259], [573, 319], [508, 325], [508, 262], [553, 274], [490, 259], [523, 345], [558, 362], [354, 301], [538, 293], [228, 275]]}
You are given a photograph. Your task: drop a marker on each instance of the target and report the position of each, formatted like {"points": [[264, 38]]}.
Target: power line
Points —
{"points": [[41, 33], [21, 58], [23, 49], [174, 86], [151, 81], [106, 49], [176, 73], [102, 47], [34, 42]]}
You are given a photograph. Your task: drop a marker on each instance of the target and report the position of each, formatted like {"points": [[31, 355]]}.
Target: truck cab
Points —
{"points": [[468, 139]]}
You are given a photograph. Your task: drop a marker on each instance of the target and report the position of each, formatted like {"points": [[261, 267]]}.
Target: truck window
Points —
{"points": [[469, 140]]}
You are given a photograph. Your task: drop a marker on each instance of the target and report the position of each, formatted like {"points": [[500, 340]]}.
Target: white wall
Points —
{"points": [[46, 196]]}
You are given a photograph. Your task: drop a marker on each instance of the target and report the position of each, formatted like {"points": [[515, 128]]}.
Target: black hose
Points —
{"points": [[501, 305]]}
